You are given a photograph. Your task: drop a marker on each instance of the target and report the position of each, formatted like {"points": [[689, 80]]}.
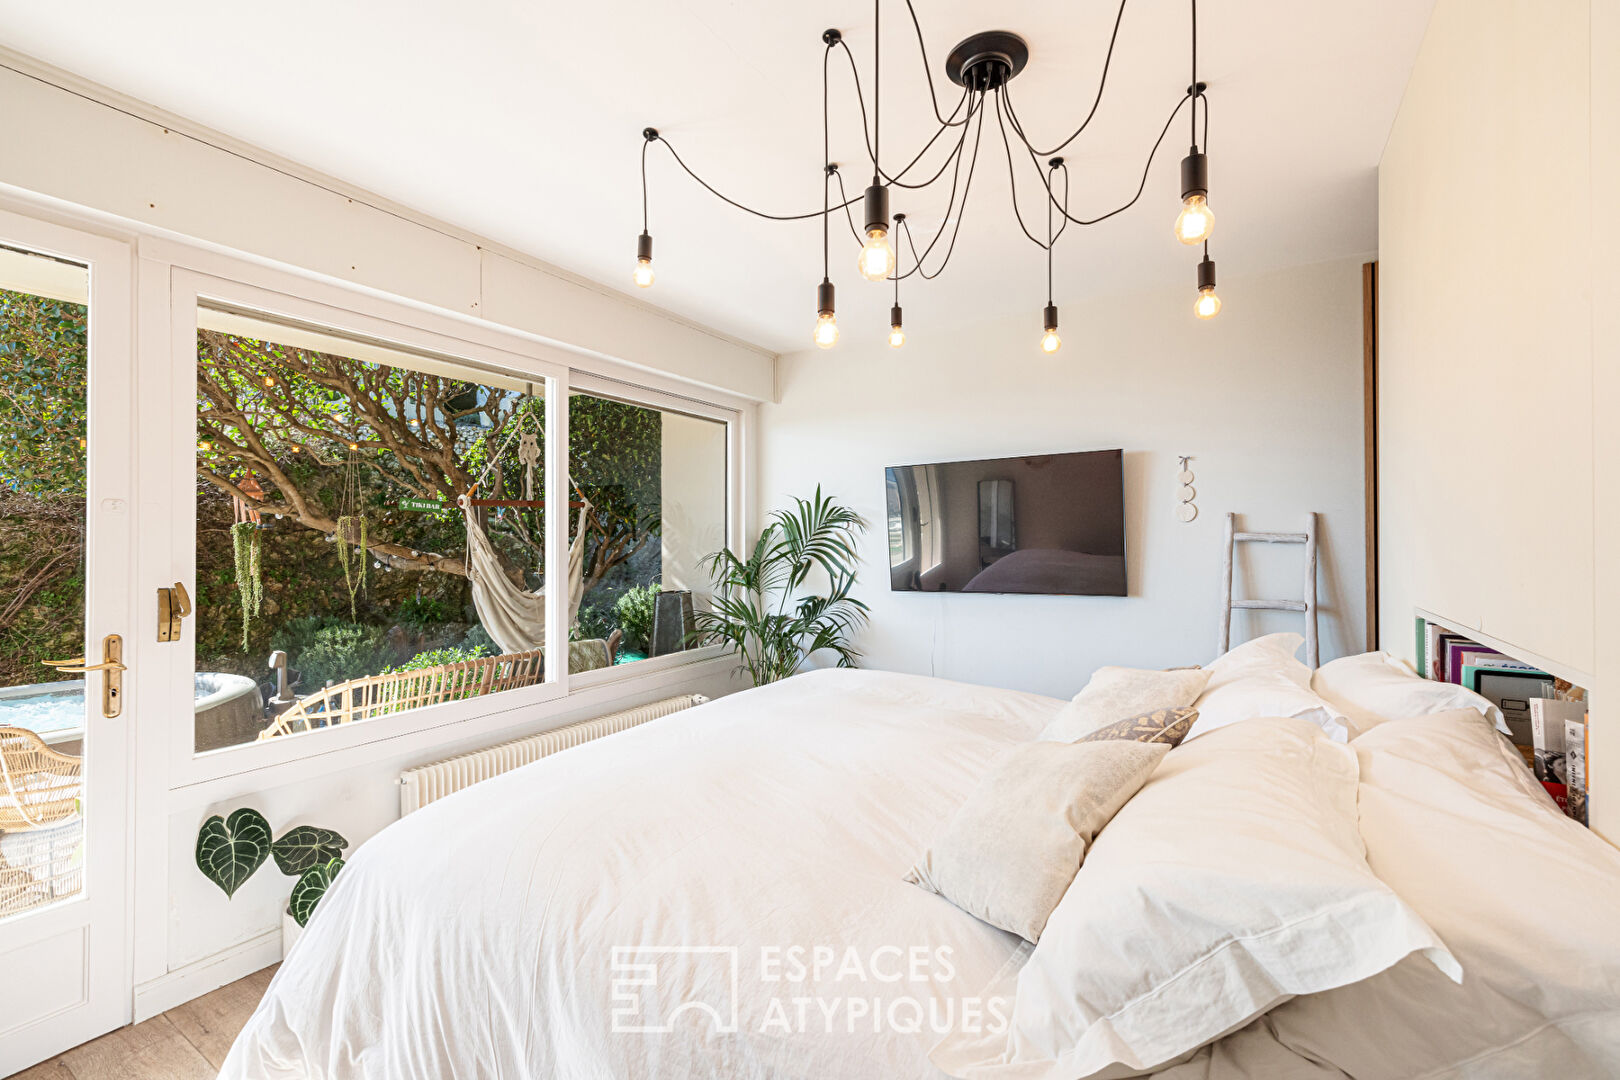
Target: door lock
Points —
{"points": [[173, 605]]}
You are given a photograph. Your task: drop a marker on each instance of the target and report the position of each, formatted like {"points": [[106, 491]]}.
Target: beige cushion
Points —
{"points": [[1115, 693], [1168, 726], [1012, 849]]}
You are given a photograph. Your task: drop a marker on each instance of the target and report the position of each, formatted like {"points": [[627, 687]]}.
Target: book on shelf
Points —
{"points": [[1548, 718], [1512, 692], [1575, 767]]}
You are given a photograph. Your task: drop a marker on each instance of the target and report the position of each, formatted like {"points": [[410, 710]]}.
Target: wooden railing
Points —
{"points": [[377, 695]]}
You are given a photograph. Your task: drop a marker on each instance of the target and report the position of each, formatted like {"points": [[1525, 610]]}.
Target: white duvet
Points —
{"points": [[732, 873]]}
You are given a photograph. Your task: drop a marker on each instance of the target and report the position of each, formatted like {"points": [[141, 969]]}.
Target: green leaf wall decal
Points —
{"points": [[305, 846], [310, 888], [230, 849]]}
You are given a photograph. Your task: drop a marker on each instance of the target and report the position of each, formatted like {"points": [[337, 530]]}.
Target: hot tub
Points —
{"points": [[229, 710]]}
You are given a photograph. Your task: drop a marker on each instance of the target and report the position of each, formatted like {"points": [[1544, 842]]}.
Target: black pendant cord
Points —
{"points": [[1146, 169], [877, 85], [866, 127], [644, 143], [961, 212], [1193, 86], [826, 169], [1050, 239], [954, 156], [929, 72], [1102, 83]]}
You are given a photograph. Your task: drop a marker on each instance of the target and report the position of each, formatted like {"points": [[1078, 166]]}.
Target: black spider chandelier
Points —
{"points": [[983, 66]]}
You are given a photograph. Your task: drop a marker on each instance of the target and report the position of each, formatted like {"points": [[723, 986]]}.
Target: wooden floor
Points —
{"points": [[188, 1042]]}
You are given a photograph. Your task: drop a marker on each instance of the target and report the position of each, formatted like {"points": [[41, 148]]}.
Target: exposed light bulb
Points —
{"points": [[269, 381], [644, 269], [897, 337], [1050, 342], [1208, 304], [876, 261], [1196, 220], [827, 330]]}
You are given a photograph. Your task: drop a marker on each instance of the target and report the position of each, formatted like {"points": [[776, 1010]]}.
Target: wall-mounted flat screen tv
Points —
{"points": [[1052, 523]]}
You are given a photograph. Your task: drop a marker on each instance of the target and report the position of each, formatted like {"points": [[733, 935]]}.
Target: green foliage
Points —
{"points": [[478, 637], [760, 610], [421, 612], [327, 648], [309, 889], [635, 611], [245, 547], [435, 657], [305, 846], [230, 849], [352, 530], [593, 622], [43, 368]]}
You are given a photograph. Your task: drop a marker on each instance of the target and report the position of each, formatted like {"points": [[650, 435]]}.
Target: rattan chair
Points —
{"points": [[38, 786]]}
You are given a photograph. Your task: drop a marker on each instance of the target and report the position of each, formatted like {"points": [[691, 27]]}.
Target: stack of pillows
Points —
{"points": [[1352, 854]]}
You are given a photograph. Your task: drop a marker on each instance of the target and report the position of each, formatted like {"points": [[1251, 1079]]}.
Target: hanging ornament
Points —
{"points": [[1186, 509]]}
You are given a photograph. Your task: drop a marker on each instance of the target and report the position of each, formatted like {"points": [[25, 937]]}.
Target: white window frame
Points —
{"points": [[631, 387], [174, 278]]}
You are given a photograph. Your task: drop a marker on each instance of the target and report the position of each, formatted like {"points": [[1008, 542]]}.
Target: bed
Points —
{"points": [[718, 893]]}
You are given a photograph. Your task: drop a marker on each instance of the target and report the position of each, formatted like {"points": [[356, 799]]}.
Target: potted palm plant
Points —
{"points": [[760, 607]]}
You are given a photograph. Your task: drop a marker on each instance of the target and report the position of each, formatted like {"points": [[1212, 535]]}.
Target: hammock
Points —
{"points": [[513, 617]]}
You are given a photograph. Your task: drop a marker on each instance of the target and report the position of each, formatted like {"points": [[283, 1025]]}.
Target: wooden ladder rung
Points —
{"points": [[1270, 605], [1269, 538]]}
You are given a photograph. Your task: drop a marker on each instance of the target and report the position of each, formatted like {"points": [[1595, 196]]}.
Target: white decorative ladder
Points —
{"points": [[1306, 607]]}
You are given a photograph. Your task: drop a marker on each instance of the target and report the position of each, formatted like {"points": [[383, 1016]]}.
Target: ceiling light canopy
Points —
{"points": [[983, 66]]}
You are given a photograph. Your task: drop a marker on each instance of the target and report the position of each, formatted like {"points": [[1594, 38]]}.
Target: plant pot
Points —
{"points": [[290, 933]]}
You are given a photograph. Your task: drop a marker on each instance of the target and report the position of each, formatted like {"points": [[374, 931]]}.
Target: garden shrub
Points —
{"points": [[635, 611]]}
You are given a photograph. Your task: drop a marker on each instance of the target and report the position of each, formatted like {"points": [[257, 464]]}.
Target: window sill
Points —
{"points": [[590, 694]]}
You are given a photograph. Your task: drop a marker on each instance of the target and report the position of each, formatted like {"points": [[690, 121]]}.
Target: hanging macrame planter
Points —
{"points": [[249, 573], [351, 529]]}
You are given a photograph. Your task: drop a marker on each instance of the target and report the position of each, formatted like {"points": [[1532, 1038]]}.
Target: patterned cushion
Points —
{"points": [[1159, 726]]}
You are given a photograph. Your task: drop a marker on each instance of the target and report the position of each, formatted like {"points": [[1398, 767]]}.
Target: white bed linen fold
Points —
{"points": [[476, 937]]}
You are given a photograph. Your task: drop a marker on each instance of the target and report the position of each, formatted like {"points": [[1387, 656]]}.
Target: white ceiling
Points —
{"points": [[521, 121]]}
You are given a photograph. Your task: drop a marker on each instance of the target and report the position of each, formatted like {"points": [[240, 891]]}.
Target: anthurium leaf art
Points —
{"points": [[230, 849], [309, 889], [305, 846]]}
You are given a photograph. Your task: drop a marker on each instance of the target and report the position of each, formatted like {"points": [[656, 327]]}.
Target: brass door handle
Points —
{"points": [[105, 665], [112, 668]]}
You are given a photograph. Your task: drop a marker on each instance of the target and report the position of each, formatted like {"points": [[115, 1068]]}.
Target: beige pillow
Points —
{"points": [[1011, 850], [1168, 726], [1115, 693]]}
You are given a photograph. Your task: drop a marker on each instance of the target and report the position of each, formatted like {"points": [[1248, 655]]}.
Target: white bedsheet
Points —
{"points": [[476, 937]]}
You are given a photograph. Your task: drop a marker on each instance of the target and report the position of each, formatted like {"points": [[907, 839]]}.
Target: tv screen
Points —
{"points": [[1051, 524]]}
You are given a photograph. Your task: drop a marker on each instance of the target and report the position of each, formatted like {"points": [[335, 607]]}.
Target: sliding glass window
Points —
{"points": [[649, 502], [370, 530]]}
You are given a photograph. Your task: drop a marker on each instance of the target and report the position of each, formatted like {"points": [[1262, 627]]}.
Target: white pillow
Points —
{"points": [[1010, 851], [1263, 678], [1232, 881], [1524, 897], [1375, 688], [1116, 693]]}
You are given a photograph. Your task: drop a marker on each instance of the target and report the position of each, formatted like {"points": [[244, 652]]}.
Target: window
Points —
{"points": [[649, 488], [338, 578]]}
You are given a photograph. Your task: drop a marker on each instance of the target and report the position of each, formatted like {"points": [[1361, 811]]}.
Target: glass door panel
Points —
{"points": [[65, 449]]}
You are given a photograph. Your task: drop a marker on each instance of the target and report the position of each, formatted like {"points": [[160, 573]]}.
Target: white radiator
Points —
{"points": [[425, 783]]}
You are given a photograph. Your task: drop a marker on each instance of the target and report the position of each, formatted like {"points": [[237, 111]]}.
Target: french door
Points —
{"points": [[68, 642]]}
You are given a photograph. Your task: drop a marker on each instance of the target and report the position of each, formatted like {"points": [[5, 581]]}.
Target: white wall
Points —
{"points": [[91, 159], [1266, 399], [1497, 343]]}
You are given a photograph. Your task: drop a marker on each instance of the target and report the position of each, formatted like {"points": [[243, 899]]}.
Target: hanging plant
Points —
{"points": [[246, 545], [351, 529]]}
